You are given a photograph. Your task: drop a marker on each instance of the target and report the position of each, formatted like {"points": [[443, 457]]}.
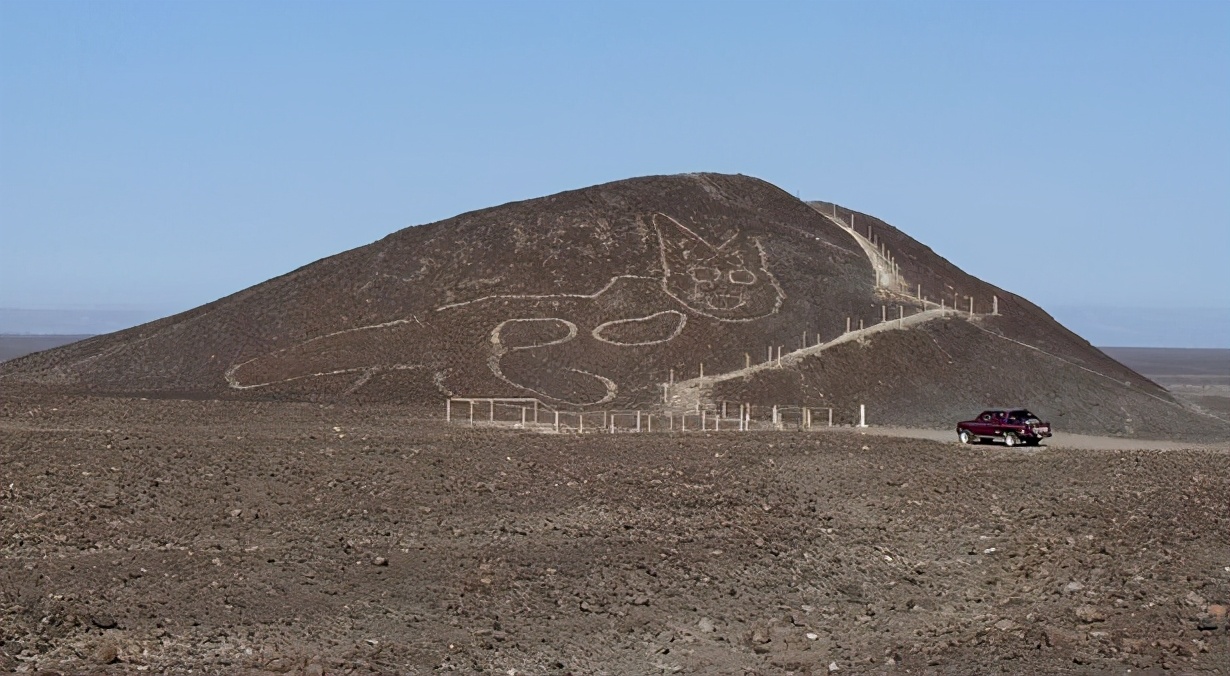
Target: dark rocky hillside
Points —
{"points": [[595, 298]]}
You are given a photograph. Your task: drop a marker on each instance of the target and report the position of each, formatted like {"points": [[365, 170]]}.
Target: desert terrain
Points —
{"points": [[1198, 376], [267, 484], [169, 536]]}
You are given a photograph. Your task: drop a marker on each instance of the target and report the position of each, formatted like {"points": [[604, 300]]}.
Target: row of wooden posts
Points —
{"points": [[532, 412], [887, 255]]}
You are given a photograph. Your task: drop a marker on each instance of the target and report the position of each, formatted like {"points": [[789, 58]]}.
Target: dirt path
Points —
{"points": [[1061, 440]]}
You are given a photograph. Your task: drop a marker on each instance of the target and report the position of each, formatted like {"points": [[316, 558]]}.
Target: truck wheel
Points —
{"points": [[965, 437], [1011, 439]]}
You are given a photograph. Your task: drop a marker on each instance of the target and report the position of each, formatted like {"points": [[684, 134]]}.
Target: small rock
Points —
{"points": [[380, 561], [1005, 625], [1208, 624], [104, 654], [1073, 587], [314, 669], [1194, 599], [833, 666], [759, 635], [640, 600], [705, 625], [1216, 610], [811, 636], [103, 621], [1088, 613]]}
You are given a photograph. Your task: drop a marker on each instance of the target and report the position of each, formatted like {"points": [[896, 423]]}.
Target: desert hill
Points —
{"points": [[596, 298]]}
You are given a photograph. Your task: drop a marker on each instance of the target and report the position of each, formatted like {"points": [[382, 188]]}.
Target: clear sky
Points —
{"points": [[159, 155]]}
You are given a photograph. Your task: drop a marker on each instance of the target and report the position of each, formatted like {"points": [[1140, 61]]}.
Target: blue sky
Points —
{"points": [[156, 156]]}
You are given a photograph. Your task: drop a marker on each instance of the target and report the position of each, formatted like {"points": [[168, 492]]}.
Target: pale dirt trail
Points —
{"points": [[1061, 440]]}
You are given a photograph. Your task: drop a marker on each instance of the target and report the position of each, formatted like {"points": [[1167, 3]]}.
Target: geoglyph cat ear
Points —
{"points": [[679, 243], [668, 226]]}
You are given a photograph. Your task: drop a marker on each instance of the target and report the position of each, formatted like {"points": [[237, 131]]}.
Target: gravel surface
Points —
{"points": [[230, 537]]}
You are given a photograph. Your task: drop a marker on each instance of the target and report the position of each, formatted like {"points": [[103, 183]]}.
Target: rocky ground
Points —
{"points": [[169, 536]]}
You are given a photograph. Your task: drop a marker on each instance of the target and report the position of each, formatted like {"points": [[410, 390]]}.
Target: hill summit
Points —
{"points": [[619, 296]]}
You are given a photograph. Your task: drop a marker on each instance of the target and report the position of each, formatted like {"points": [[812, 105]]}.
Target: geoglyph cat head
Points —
{"points": [[730, 281]]}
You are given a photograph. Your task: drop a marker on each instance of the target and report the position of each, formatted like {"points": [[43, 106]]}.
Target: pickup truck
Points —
{"points": [[1013, 425]]}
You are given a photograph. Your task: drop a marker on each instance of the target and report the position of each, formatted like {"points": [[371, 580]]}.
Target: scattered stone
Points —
{"points": [[104, 654], [705, 624], [1208, 624], [103, 621], [314, 669], [1194, 599], [833, 667], [640, 600], [1088, 613], [380, 561], [1005, 625], [1073, 587], [1216, 610], [759, 635]]}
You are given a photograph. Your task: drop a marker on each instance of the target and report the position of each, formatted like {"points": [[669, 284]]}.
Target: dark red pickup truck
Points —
{"points": [[1013, 425]]}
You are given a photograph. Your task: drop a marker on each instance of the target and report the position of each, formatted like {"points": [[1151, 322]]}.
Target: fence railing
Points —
{"points": [[530, 413]]}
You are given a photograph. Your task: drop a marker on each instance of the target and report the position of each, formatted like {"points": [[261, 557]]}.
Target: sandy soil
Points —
{"points": [[294, 538]]}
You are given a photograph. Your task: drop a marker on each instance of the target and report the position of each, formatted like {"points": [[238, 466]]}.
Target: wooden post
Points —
{"points": [[471, 414], [860, 324], [491, 416], [862, 415], [847, 324], [672, 380], [448, 410], [612, 424], [702, 369], [649, 423], [683, 422], [556, 421], [747, 360], [723, 409], [971, 305], [670, 416], [535, 411], [920, 292], [581, 422], [779, 355], [604, 419], [775, 415], [994, 305], [883, 313], [770, 354], [638, 421], [523, 416], [830, 416], [702, 421]]}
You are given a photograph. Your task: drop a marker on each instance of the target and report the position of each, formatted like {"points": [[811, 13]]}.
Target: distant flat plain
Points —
{"points": [[14, 346], [1199, 376]]}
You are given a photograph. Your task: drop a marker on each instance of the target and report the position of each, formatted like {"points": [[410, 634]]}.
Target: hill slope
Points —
{"points": [[597, 297]]}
